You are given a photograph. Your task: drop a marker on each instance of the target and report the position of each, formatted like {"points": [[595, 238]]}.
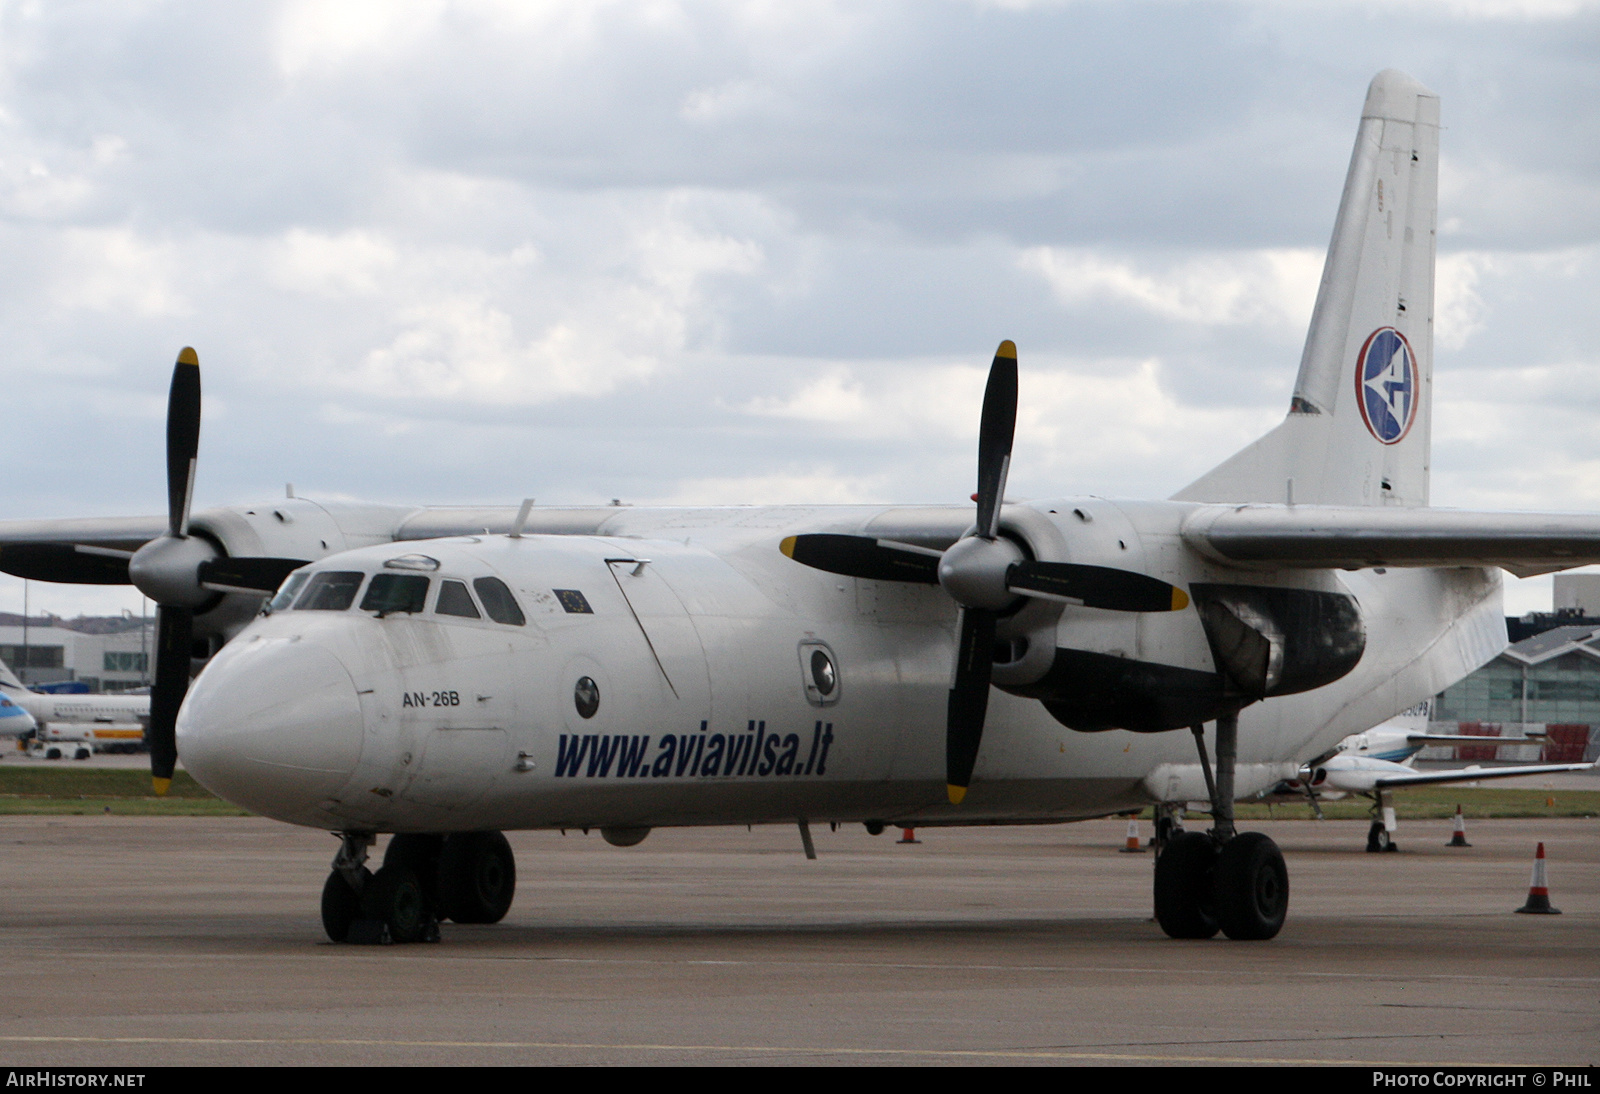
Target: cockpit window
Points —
{"points": [[455, 600], [498, 601], [330, 591], [395, 593], [287, 590]]}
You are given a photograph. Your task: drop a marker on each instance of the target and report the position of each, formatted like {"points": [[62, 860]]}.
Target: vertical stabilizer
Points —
{"points": [[1358, 429]]}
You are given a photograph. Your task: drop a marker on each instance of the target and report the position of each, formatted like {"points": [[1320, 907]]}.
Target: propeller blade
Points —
{"points": [[67, 563], [246, 575], [969, 699], [995, 432], [863, 556], [183, 439], [1096, 586], [174, 644]]}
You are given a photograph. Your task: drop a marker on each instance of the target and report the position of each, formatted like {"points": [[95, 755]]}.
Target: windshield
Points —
{"points": [[395, 593], [455, 600], [286, 592], [498, 601], [330, 591]]}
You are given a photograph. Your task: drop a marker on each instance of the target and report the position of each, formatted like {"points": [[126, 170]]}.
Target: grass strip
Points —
{"points": [[91, 782]]}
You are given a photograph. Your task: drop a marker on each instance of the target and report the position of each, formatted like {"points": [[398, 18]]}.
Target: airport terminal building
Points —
{"points": [[1547, 684], [104, 653]]}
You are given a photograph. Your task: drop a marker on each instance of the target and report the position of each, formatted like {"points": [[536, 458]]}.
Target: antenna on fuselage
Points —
{"points": [[522, 518]]}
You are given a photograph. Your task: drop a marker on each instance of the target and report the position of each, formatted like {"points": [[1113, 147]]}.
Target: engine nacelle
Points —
{"points": [[1157, 671]]}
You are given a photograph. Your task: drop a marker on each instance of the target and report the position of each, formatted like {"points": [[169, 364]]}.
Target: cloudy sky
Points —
{"points": [[735, 252]]}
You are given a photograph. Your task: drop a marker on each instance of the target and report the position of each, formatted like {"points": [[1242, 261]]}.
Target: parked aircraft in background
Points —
{"points": [[445, 674], [1376, 763], [15, 722], [112, 721]]}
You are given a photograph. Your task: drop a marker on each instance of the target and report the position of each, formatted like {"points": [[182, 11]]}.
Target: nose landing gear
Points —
{"points": [[470, 877], [1221, 880]]}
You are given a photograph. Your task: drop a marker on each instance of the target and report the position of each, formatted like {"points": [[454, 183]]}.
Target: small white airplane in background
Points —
{"points": [[446, 674], [1377, 762], [111, 722]]}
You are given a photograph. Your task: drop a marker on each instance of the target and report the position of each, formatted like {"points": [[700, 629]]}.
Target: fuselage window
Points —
{"points": [[498, 601], [395, 593], [455, 600], [287, 590], [330, 591]]}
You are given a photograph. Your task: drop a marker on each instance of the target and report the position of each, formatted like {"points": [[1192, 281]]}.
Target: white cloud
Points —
{"points": [[117, 271], [351, 263], [1270, 287], [1458, 310]]}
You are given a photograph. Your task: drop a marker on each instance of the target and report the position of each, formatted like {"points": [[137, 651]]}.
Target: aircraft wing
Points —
{"points": [[114, 533], [1315, 537], [1473, 774]]}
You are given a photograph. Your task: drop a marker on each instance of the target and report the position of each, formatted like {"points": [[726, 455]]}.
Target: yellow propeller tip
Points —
{"points": [[787, 546], [956, 793], [1008, 348], [161, 785], [1180, 599], [187, 356]]}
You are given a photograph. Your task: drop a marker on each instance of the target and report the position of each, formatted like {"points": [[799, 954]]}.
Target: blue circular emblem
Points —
{"points": [[1386, 385]]}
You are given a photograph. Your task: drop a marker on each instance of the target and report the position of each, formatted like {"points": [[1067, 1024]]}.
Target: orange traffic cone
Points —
{"points": [[908, 835], [1539, 889], [1132, 846], [1459, 837]]}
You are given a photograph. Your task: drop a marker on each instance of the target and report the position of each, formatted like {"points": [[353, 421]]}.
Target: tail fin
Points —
{"points": [[1358, 429], [8, 679]]}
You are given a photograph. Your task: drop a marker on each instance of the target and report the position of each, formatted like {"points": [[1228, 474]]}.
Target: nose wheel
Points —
{"points": [[389, 906], [1221, 880]]}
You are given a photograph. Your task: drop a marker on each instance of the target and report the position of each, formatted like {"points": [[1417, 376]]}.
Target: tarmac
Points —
{"points": [[134, 941]]}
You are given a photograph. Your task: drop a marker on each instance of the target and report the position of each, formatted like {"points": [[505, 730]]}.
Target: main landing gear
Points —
{"points": [[1380, 835], [469, 877], [1221, 880]]}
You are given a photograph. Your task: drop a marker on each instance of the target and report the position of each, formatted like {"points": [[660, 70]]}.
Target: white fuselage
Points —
{"points": [[700, 655], [82, 710]]}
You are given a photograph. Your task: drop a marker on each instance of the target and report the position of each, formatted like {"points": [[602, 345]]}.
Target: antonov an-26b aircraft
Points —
{"points": [[447, 674]]}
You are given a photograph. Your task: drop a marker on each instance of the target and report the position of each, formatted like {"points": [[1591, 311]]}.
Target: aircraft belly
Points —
{"points": [[916, 802]]}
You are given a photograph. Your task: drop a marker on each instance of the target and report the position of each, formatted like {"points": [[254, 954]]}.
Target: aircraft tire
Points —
{"points": [[395, 896], [341, 906], [1184, 888], [1378, 838], [421, 853], [1251, 885], [477, 877]]}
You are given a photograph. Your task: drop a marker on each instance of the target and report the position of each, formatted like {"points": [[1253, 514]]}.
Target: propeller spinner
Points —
{"points": [[984, 573]]}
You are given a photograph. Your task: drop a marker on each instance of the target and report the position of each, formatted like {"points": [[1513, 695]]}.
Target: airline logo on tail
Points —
{"points": [[1386, 385]]}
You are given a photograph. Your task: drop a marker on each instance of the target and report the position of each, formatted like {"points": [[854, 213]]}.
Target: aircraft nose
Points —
{"points": [[272, 725]]}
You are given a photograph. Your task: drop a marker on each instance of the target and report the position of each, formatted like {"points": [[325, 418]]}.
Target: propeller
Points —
{"points": [[166, 570], [984, 573], [180, 571], [969, 571], [69, 563]]}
